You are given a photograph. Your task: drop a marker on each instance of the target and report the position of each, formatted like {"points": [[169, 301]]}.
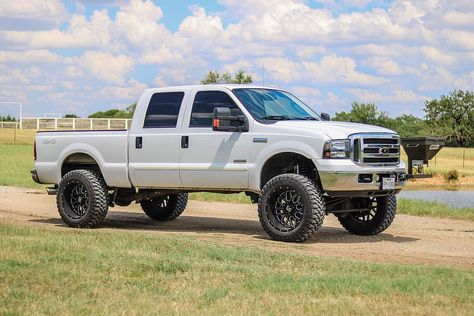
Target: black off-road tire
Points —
{"points": [[384, 215], [313, 207], [165, 208], [94, 209]]}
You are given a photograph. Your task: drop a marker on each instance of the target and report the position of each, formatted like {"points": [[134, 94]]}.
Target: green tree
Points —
{"points": [[366, 113], [7, 118], [242, 78], [214, 77], [408, 125], [452, 116], [71, 116], [115, 113]]}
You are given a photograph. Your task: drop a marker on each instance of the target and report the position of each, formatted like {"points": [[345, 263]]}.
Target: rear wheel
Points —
{"points": [[82, 198], [166, 207], [376, 217], [291, 208]]}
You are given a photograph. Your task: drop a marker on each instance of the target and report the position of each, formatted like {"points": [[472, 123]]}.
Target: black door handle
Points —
{"points": [[139, 142], [184, 141]]}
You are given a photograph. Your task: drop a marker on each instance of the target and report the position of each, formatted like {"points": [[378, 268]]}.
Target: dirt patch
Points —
{"points": [[410, 239]]}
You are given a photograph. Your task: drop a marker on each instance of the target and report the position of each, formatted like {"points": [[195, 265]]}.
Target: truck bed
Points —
{"points": [[108, 148]]}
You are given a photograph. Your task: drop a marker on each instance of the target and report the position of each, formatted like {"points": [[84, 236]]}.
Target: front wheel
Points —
{"points": [[291, 208], [166, 207], [376, 217]]}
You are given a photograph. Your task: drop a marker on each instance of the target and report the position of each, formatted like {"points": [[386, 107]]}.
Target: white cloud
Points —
{"points": [[397, 96], [105, 66], [137, 23], [130, 93], [332, 69], [79, 33], [200, 26], [31, 13], [29, 56]]}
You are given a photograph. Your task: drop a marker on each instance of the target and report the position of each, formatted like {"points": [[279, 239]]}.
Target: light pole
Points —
{"points": [[21, 110]]}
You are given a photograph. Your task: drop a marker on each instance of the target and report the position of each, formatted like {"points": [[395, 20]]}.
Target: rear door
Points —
{"points": [[209, 159], [155, 144]]}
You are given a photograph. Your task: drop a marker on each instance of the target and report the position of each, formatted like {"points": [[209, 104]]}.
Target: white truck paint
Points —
{"points": [[189, 158]]}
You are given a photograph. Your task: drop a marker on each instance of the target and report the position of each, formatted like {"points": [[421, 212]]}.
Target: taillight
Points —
{"points": [[34, 151]]}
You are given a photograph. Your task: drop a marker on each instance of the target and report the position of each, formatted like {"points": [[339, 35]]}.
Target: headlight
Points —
{"points": [[337, 149]]}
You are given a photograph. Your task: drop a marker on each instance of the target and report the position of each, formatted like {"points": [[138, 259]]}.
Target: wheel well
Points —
{"points": [[79, 161], [288, 163]]}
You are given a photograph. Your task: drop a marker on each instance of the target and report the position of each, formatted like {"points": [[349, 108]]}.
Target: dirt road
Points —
{"points": [[410, 239]]}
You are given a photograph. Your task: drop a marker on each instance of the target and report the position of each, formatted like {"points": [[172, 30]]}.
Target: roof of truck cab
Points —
{"points": [[228, 86]]}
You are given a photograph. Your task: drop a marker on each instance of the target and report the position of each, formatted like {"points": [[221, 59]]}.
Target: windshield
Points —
{"points": [[270, 104]]}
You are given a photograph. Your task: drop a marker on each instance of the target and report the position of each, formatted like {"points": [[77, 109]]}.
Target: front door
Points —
{"points": [[209, 159]]}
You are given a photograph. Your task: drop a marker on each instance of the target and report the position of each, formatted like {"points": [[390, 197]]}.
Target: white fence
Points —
{"points": [[40, 123]]}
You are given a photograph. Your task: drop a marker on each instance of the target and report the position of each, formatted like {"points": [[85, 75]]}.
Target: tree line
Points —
{"points": [[7, 118], [451, 116]]}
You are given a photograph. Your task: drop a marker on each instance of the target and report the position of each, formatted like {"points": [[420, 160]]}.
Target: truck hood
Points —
{"points": [[333, 129]]}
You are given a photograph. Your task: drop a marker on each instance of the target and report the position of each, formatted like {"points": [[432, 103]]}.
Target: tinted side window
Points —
{"points": [[163, 109], [204, 104]]}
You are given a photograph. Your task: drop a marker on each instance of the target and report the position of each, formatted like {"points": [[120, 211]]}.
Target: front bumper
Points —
{"points": [[344, 178]]}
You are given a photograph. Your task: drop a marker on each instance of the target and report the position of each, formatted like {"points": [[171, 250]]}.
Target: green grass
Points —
{"points": [[16, 161], [53, 271], [216, 197], [450, 158], [433, 209], [18, 137]]}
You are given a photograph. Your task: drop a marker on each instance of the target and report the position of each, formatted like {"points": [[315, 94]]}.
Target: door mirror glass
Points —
{"points": [[223, 120], [325, 117]]}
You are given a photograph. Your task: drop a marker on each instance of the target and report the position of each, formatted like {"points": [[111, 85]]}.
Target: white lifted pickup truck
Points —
{"points": [[297, 165]]}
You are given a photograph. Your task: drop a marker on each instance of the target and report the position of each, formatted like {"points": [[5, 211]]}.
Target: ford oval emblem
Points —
{"points": [[384, 151]]}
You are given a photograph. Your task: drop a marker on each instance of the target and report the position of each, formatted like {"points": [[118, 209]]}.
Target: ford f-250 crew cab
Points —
{"points": [[297, 165]]}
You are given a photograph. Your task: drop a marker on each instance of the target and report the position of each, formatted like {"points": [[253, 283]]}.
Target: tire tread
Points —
{"points": [[100, 200], [317, 206]]}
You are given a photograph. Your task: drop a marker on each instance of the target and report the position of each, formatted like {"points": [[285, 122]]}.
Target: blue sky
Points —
{"points": [[80, 56]]}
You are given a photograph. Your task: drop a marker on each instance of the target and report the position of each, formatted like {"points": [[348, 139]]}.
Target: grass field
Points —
{"points": [[51, 271]]}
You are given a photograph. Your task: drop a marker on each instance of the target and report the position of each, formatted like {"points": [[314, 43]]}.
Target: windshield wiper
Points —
{"points": [[276, 117], [305, 118]]}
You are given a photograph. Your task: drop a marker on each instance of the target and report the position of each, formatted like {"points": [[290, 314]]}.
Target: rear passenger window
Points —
{"points": [[204, 104], [163, 109]]}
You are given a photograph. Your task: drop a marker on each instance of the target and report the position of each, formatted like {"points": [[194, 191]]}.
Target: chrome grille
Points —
{"points": [[375, 149]]}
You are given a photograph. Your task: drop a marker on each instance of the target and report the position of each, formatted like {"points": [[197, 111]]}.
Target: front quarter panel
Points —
{"points": [[267, 145]]}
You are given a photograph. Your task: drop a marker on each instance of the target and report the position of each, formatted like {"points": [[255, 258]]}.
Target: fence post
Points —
{"points": [[463, 157], [108, 124], [126, 123], [73, 124], [37, 123], [91, 126]]}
